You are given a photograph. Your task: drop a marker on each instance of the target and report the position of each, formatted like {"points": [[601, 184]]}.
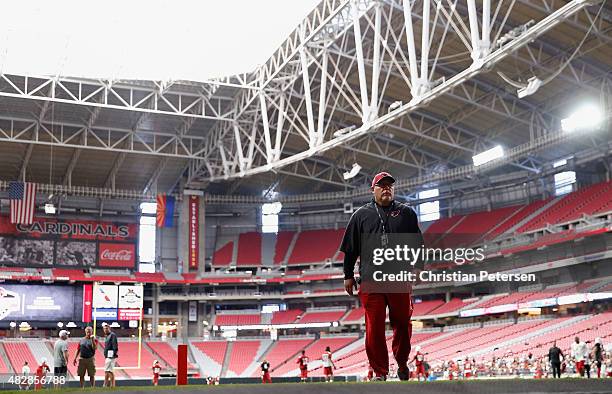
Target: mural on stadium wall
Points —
{"points": [[49, 243]]}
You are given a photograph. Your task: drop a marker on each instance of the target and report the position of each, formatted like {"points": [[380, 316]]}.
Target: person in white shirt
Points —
{"points": [[328, 363], [25, 373], [579, 354]]}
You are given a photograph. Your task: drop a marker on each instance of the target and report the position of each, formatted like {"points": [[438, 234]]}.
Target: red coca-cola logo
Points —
{"points": [[124, 255], [117, 255]]}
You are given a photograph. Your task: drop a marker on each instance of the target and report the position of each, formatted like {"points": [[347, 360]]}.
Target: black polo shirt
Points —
{"points": [[396, 218]]}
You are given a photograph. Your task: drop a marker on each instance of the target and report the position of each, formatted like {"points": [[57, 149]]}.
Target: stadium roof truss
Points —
{"points": [[414, 86]]}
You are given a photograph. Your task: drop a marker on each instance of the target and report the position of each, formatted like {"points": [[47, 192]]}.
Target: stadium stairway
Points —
{"points": [[479, 302], [264, 347], [438, 228], [268, 247], [535, 214], [128, 358], [233, 262], [40, 350], [165, 352], [226, 359], [5, 363], [17, 353], [269, 352], [500, 226], [209, 356], [290, 249], [283, 351], [266, 318]]}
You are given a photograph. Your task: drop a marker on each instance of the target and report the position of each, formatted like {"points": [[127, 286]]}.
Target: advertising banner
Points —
{"points": [[38, 302], [116, 255], [105, 296], [194, 231], [87, 302], [130, 297], [105, 314], [193, 311], [130, 314], [68, 244]]}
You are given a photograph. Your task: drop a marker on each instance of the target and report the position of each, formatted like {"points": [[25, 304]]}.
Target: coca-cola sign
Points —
{"points": [[123, 255], [117, 255]]}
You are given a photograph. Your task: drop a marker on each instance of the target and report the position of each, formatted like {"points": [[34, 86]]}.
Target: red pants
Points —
{"points": [[580, 367], [400, 311], [266, 378], [420, 369], [303, 373], [155, 379]]}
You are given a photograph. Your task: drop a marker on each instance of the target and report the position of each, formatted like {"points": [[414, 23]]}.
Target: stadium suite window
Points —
{"points": [[146, 237], [564, 182], [429, 211]]}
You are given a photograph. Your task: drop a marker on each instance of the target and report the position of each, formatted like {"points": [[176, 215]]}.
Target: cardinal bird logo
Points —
{"points": [[395, 214]]}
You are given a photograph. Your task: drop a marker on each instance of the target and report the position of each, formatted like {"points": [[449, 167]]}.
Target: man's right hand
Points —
{"points": [[349, 286]]}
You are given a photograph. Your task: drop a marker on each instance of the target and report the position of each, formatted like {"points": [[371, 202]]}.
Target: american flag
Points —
{"points": [[23, 197]]}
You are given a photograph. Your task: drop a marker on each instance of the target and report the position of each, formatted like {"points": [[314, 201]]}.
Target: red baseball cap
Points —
{"points": [[380, 176]]}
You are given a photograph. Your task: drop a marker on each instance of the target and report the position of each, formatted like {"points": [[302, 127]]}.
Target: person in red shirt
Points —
{"points": [[156, 370], [419, 361], [41, 372], [328, 364], [303, 362]]}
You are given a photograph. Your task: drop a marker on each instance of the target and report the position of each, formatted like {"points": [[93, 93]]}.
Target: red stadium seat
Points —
{"points": [[327, 243], [314, 316], [223, 256], [286, 317], [249, 249], [283, 241]]}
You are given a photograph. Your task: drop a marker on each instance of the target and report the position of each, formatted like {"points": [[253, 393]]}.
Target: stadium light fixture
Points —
{"points": [[352, 173], [115, 325], [488, 155], [60, 324], [533, 85], [344, 131], [71, 324], [49, 209], [586, 117]]}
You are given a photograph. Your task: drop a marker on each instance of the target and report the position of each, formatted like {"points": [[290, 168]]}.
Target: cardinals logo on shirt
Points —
{"points": [[9, 302], [395, 213]]}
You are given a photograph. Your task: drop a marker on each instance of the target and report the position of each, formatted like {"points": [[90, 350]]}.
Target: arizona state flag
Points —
{"points": [[165, 210]]}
